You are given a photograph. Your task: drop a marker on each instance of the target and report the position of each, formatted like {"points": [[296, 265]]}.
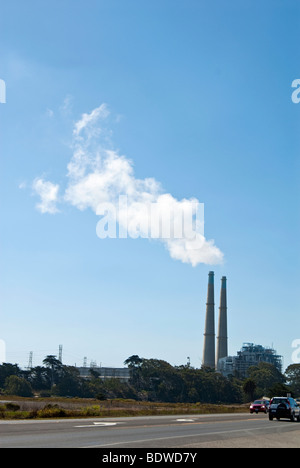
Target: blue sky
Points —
{"points": [[198, 97]]}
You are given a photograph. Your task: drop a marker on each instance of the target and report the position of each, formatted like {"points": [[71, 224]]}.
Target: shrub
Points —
{"points": [[51, 411], [94, 410], [12, 407]]}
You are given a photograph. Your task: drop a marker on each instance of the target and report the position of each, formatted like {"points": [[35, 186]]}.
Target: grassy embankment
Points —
{"points": [[33, 408]]}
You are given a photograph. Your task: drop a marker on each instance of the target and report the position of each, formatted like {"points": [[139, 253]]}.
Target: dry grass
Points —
{"points": [[32, 408]]}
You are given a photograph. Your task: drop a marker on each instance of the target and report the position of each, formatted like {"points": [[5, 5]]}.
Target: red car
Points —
{"points": [[260, 406]]}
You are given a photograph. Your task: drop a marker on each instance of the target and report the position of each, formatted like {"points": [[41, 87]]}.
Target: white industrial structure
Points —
{"points": [[249, 355]]}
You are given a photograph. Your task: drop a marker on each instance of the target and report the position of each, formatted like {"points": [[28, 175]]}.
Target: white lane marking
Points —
{"points": [[99, 424], [185, 420]]}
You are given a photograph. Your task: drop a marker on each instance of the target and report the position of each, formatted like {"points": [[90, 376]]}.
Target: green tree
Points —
{"points": [[18, 386], [134, 363], [162, 381], [278, 389], [69, 383], [292, 375], [157, 380], [40, 378], [114, 388], [265, 375], [249, 387], [55, 366], [7, 369]]}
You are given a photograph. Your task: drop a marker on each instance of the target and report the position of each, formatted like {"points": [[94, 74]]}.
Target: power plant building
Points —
{"points": [[104, 373], [249, 355]]}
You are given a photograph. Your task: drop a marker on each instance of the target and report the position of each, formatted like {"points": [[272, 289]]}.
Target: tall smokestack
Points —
{"points": [[209, 335], [222, 346]]}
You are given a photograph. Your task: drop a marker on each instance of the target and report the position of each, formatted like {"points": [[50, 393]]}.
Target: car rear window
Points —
{"points": [[277, 401]]}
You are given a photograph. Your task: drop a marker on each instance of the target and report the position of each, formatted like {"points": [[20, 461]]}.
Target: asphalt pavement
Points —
{"points": [[181, 431]]}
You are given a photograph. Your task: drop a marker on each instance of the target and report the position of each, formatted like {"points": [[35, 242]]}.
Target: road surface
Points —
{"points": [[196, 431]]}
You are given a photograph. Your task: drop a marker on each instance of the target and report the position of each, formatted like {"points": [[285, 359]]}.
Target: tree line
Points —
{"points": [[150, 380]]}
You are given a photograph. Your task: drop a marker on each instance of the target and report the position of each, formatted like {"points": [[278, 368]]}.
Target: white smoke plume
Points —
{"points": [[98, 175]]}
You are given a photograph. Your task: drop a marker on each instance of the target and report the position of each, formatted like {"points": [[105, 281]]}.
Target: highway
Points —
{"points": [[182, 431]]}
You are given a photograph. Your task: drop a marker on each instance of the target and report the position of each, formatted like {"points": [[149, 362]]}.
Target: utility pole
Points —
{"points": [[30, 361], [60, 353]]}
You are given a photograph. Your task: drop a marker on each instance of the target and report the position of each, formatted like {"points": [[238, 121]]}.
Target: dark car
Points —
{"points": [[259, 406], [284, 407]]}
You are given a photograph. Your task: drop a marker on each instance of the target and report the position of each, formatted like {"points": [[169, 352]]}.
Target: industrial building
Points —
{"points": [[249, 355], [122, 374], [215, 349]]}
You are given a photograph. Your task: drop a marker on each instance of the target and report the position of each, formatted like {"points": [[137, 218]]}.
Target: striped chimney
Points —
{"points": [[222, 338], [209, 334]]}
